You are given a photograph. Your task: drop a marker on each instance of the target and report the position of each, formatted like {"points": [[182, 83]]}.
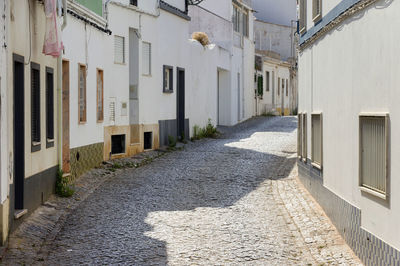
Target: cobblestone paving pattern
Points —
{"points": [[235, 200]]}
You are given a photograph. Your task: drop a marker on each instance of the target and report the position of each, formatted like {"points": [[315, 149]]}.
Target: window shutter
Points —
{"points": [[112, 110], [100, 90], [146, 58], [35, 102], [119, 49], [82, 93], [373, 152], [316, 135], [49, 104]]}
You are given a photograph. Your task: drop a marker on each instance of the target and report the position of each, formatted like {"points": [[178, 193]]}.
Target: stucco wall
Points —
{"points": [[336, 77], [4, 145], [273, 37], [18, 43], [279, 72], [87, 45]]}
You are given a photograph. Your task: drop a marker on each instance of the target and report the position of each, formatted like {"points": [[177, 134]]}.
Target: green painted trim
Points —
{"points": [[94, 5]]}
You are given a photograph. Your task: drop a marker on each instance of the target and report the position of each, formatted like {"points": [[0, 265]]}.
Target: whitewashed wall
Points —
{"points": [[87, 45], [273, 37], [47, 157], [361, 75], [4, 105]]}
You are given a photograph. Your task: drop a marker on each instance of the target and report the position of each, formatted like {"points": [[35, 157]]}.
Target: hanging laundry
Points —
{"points": [[52, 40]]}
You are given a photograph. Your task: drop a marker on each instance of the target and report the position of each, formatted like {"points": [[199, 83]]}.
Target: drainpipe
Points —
{"points": [[59, 83], [106, 11]]}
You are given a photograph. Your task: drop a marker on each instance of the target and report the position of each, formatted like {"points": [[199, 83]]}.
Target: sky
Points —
{"points": [[275, 11]]}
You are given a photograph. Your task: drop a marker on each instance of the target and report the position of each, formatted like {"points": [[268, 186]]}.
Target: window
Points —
{"points": [[317, 10], [304, 136], [146, 58], [287, 87], [119, 49], [35, 107], [82, 93], [168, 79], [117, 144], [303, 16], [279, 86], [133, 2], [299, 134], [267, 80], [236, 19], [246, 24], [374, 153], [49, 107], [112, 110], [316, 140], [100, 95]]}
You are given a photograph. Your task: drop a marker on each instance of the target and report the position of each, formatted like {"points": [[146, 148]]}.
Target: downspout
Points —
{"points": [[59, 83]]}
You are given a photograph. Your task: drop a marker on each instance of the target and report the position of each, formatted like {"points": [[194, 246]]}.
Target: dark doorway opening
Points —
{"points": [[180, 94], [117, 144], [19, 131], [148, 140]]}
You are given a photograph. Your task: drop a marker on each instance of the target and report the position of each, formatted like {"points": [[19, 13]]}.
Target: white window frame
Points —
{"points": [[123, 50], [304, 137], [299, 135], [148, 71], [315, 163], [303, 16], [380, 194], [317, 14]]}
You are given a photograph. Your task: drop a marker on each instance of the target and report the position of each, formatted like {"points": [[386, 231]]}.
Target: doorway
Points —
{"points": [[180, 99], [19, 131], [66, 166]]}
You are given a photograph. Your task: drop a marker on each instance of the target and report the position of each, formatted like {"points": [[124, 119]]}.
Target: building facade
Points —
{"points": [[229, 24], [29, 154], [348, 88], [276, 69]]}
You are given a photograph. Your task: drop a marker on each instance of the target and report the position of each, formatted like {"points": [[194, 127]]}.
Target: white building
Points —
{"points": [[275, 88], [348, 145], [84, 70], [229, 24], [28, 119], [276, 68]]}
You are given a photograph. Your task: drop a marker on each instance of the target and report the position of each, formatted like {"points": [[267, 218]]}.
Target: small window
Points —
{"points": [[303, 16], [316, 140], [317, 10], [100, 95], [267, 80], [245, 17], [287, 87], [148, 140], [279, 86], [49, 107], [236, 18], [168, 79], [82, 93], [374, 154], [304, 136], [35, 106], [112, 110], [119, 49], [146, 58], [117, 144], [133, 2], [299, 134]]}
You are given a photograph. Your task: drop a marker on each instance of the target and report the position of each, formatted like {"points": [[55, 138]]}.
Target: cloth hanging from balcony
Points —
{"points": [[52, 40]]}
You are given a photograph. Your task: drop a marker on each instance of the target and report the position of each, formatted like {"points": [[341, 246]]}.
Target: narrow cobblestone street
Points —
{"points": [[232, 200]]}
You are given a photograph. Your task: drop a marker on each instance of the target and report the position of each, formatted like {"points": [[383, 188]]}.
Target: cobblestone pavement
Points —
{"points": [[230, 201]]}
